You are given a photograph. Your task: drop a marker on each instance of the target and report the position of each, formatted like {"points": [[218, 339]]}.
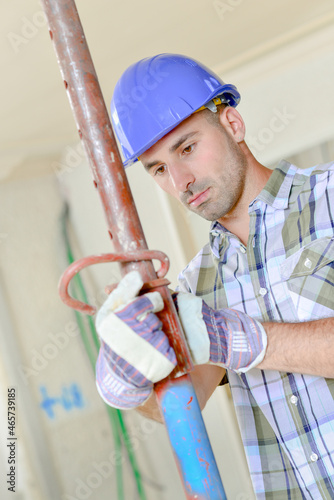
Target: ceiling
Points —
{"points": [[224, 34]]}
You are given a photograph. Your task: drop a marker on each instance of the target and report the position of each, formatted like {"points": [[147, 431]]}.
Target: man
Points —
{"points": [[257, 300]]}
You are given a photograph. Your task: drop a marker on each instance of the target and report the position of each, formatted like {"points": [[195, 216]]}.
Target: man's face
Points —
{"points": [[201, 164]]}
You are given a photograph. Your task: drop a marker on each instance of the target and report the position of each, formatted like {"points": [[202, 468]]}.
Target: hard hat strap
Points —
{"points": [[213, 103]]}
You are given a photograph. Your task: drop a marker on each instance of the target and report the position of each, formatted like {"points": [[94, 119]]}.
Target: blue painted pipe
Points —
{"points": [[191, 446]]}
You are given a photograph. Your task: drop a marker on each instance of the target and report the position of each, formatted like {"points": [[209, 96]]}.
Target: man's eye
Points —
{"points": [[160, 170], [188, 149]]}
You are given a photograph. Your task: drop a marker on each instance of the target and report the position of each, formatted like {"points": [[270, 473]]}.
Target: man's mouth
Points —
{"points": [[198, 198]]}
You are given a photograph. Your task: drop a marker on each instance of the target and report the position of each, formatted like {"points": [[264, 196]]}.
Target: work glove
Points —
{"points": [[135, 353], [226, 337]]}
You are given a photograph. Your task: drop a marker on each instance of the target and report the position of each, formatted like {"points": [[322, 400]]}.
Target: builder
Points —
{"points": [[257, 300]]}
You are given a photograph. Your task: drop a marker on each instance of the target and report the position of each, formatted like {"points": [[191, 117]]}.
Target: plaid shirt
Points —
{"points": [[286, 273]]}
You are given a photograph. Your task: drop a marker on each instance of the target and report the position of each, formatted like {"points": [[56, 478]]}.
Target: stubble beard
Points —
{"points": [[225, 192]]}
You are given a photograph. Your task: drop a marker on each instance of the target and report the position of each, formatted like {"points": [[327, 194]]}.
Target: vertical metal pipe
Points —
{"points": [[189, 440], [95, 130]]}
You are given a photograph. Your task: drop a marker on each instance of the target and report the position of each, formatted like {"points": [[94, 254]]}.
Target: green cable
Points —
{"points": [[132, 457], [115, 415], [112, 413], [78, 285]]}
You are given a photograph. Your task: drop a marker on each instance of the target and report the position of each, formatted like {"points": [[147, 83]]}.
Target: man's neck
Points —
{"points": [[237, 222]]}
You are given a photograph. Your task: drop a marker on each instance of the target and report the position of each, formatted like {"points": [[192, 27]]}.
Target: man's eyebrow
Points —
{"points": [[181, 141], [148, 166], [172, 149]]}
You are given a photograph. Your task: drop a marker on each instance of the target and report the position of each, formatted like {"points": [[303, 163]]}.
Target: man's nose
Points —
{"points": [[181, 176]]}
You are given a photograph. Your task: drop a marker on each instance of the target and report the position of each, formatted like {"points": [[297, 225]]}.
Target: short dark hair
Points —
{"points": [[212, 117]]}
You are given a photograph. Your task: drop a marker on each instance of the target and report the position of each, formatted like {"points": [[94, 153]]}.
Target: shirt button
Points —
{"points": [[308, 263], [294, 400], [314, 457], [242, 249], [263, 291]]}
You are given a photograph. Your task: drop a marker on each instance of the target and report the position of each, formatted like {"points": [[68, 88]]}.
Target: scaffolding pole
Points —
{"points": [[176, 396]]}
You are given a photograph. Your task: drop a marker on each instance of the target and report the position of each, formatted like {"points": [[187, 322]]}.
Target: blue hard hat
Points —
{"points": [[155, 94]]}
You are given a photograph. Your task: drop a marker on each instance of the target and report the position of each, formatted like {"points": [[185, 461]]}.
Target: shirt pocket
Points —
{"points": [[309, 274]]}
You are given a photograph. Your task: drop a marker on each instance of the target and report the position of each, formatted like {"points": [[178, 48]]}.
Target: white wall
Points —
{"points": [[294, 80], [287, 97]]}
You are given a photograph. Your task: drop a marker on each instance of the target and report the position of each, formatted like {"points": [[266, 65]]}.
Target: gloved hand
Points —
{"points": [[134, 352], [226, 337]]}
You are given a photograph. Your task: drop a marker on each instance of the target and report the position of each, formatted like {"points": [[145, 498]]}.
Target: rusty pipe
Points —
{"points": [[95, 131]]}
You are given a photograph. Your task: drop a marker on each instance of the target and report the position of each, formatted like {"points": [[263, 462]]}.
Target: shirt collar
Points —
{"points": [[275, 193], [277, 190], [217, 235]]}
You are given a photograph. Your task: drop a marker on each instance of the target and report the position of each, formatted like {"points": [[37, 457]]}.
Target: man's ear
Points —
{"points": [[233, 123]]}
